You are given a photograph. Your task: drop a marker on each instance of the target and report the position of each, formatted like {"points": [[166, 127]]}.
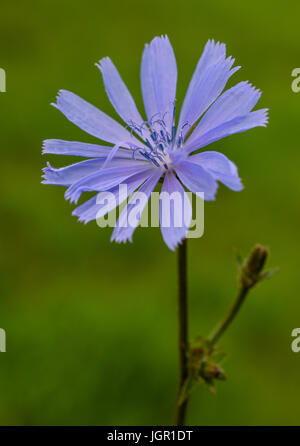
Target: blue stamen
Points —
{"points": [[179, 141], [148, 144], [173, 132], [150, 158], [159, 141], [154, 136], [162, 135], [156, 155]]}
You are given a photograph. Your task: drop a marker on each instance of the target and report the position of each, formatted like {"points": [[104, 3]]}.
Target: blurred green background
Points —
{"points": [[91, 326]]}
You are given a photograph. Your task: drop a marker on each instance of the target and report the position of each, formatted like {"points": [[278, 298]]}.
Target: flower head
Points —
{"points": [[143, 152]]}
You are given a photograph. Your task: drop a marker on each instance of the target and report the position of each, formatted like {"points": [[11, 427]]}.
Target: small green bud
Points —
{"points": [[253, 265], [257, 259]]}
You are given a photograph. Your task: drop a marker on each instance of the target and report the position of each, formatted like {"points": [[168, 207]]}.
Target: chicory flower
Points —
{"points": [[143, 152]]}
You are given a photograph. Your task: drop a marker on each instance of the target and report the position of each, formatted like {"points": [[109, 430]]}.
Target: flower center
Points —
{"points": [[160, 141]]}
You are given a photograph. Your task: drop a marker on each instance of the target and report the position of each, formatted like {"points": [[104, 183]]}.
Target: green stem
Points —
{"points": [[229, 316], [249, 276], [182, 330]]}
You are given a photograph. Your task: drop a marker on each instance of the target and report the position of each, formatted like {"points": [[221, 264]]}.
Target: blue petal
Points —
{"points": [[159, 78], [197, 179], [220, 167], [92, 120], [180, 211], [235, 103], [124, 227], [60, 147], [258, 118], [209, 79], [118, 93], [65, 176], [91, 209], [106, 179]]}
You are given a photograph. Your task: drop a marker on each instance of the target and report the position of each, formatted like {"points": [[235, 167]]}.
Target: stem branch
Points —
{"points": [[229, 316], [250, 275]]}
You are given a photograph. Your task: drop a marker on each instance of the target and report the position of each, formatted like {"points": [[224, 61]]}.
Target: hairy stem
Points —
{"points": [[182, 330]]}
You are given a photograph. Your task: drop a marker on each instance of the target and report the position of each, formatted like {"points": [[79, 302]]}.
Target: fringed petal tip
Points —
{"points": [[264, 117], [51, 146], [62, 97], [157, 40], [58, 98], [234, 69], [119, 238], [249, 89], [83, 214], [211, 44], [59, 95], [219, 49], [44, 147], [47, 172], [72, 196], [47, 145], [261, 117], [81, 219], [103, 62]]}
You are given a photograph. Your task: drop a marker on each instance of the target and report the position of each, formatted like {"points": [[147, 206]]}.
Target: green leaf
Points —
{"points": [[267, 274]]}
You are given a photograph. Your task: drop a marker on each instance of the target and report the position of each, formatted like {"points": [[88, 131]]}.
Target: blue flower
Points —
{"points": [[143, 152]]}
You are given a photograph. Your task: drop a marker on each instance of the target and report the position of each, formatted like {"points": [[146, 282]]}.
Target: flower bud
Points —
{"points": [[211, 370], [253, 266]]}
